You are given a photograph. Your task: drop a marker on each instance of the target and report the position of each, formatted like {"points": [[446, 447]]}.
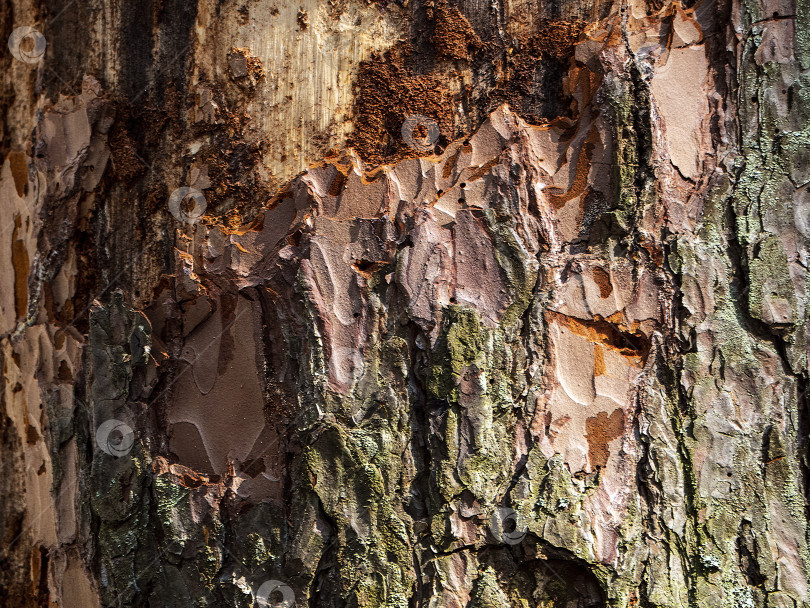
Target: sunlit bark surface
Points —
{"points": [[431, 303]]}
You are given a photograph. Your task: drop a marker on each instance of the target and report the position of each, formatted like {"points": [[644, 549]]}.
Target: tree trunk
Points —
{"points": [[420, 303]]}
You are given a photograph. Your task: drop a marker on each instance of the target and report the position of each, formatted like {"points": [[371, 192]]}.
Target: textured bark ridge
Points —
{"points": [[555, 356]]}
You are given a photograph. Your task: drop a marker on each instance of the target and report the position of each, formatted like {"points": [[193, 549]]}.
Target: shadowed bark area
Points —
{"points": [[427, 303]]}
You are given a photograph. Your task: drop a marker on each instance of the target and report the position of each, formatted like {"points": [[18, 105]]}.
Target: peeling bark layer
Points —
{"points": [[405, 304]]}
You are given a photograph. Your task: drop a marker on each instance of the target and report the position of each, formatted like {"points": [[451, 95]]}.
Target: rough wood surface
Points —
{"points": [[423, 303]]}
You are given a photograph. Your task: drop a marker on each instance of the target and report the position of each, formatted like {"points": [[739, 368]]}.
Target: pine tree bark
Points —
{"points": [[426, 303]]}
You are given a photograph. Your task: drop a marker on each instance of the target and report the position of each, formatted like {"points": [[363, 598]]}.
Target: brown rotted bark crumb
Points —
{"points": [[452, 35], [387, 92]]}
